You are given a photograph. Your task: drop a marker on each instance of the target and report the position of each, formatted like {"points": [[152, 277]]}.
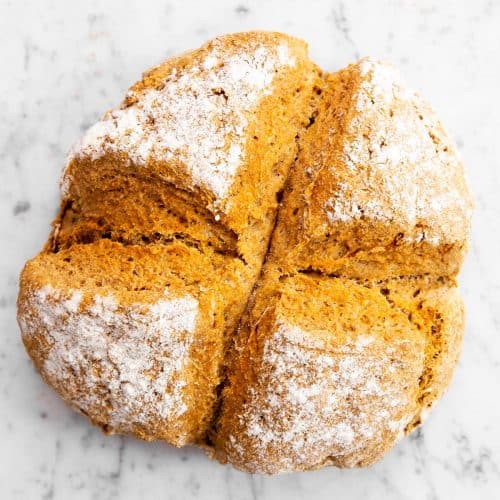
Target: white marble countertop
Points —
{"points": [[63, 63]]}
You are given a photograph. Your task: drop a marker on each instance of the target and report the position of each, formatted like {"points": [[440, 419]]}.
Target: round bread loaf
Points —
{"points": [[257, 258]]}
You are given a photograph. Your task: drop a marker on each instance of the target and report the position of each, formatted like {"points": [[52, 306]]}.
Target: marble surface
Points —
{"points": [[63, 63]]}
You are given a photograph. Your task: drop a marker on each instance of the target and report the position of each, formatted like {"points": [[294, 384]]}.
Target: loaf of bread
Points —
{"points": [[257, 258]]}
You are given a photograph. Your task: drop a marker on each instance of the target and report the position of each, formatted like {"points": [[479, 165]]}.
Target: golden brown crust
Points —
{"points": [[271, 367], [299, 395], [169, 203], [110, 327], [378, 189], [216, 126]]}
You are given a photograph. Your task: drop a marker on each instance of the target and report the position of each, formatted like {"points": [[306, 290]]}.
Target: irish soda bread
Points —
{"points": [[256, 257]]}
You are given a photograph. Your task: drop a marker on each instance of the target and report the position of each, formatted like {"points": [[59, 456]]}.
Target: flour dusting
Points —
{"points": [[401, 165], [128, 361], [311, 402], [198, 118]]}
